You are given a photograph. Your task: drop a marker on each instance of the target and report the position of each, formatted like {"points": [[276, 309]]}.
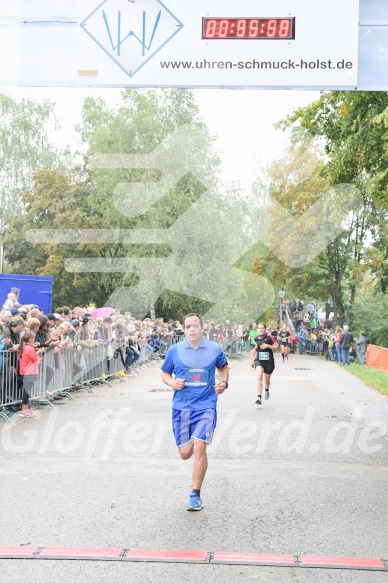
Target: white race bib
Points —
{"points": [[196, 377]]}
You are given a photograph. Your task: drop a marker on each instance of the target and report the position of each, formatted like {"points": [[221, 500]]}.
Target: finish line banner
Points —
{"points": [[176, 43]]}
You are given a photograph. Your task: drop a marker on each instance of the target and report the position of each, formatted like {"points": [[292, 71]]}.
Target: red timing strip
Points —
{"points": [[254, 559], [100, 554], [174, 556], [17, 552], [344, 562], [167, 556]]}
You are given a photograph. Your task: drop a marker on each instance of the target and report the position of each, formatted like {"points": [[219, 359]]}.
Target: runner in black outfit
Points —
{"points": [[264, 361], [284, 337]]}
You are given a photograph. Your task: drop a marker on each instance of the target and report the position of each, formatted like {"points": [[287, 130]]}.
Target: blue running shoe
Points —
{"points": [[195, 502]]}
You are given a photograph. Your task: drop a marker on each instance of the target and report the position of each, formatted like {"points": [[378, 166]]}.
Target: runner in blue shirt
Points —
{"points": [[189, 368]]}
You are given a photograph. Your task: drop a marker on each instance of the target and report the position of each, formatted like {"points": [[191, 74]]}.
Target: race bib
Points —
{"points": [[285, 339], [264, 355], [197, 377]]}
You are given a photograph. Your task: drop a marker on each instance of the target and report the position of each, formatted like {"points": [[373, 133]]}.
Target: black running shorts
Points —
{"points": [[267, 365]]}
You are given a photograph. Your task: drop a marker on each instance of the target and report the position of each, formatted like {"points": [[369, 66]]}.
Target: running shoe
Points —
{"points": [[266, 394], [195, 502], [258, 400]]}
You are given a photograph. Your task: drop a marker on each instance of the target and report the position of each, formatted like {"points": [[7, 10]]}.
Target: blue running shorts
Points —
{"points": [[189, 425]]}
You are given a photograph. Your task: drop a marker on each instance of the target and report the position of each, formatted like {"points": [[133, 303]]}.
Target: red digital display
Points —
{"points": [[248, 28]]}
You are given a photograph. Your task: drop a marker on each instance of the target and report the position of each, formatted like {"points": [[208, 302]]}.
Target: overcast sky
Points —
{"points": [[242, 119]]}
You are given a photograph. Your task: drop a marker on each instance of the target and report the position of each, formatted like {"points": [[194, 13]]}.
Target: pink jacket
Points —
{"points": [[29, 361]]}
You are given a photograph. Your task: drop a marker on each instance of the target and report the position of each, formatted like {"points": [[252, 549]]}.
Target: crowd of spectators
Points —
{"points": [[133, 340], [71, 330], [313, 331]]}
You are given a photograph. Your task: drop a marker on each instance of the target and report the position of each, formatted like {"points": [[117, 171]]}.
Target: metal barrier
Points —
{"points": [[10, 387], [314, 347], [61, 371]]}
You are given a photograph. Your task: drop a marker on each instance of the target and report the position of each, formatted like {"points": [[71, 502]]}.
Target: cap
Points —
{"points": [[53, 317], [17, 320], [14, 311], [75, 323]]}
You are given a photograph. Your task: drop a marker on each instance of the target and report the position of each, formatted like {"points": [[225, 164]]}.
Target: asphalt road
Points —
{"points": [[304, 474]]}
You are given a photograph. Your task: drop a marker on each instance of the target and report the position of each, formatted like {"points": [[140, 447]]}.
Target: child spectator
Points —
{"points": [[29, 369]]}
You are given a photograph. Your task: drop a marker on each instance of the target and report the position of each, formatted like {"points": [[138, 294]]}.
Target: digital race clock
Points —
{"points": [[248, 28]]}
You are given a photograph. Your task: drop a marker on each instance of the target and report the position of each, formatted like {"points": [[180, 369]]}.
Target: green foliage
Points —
{"points": [[203, 231], [370, 314], [24, 148], [352, 129]]}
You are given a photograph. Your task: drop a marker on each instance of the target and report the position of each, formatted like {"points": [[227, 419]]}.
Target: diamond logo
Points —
{"points": [[131, 32]]}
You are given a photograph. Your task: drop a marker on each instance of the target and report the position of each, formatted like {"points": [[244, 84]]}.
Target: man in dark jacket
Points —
{"points": [[346, 340], [12, 331]]}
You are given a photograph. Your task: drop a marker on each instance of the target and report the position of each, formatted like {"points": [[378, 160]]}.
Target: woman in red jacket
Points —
{"points": [[29, 369]]}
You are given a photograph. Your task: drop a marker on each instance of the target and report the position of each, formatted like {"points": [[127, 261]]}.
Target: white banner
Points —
{"points": [[206, 43]]}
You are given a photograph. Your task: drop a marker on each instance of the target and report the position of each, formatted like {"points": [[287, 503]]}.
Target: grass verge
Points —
{"points": [[377, 379]]}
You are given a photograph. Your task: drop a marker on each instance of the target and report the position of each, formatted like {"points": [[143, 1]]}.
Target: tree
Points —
{"points": [[147, 228], [352, 128], [24, 148]]}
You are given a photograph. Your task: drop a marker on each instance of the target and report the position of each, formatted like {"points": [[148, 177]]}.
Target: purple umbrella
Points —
{"points": [[102, 312]]}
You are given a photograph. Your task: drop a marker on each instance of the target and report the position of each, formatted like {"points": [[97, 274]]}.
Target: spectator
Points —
{"points": [[10, 301], [252, 335], [298, 320], [346, 341], [53, 319], [331, 350], [292, 307], [313, 340], [132, 354], [66, 315], [3, 345], [33, 325], [338, 332], [310, 309], [221, 335], [324, 338], [6, 316], [42, 338], [178, 330], [284, 310], [361, 345], [313, 323], [302, 340], [13, 332], [107, 331], [240, 338], [29, 368], [213, 331], [86, 332]]}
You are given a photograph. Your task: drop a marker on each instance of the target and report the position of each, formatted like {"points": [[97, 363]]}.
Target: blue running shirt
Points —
{"points": [[197, 366]]}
